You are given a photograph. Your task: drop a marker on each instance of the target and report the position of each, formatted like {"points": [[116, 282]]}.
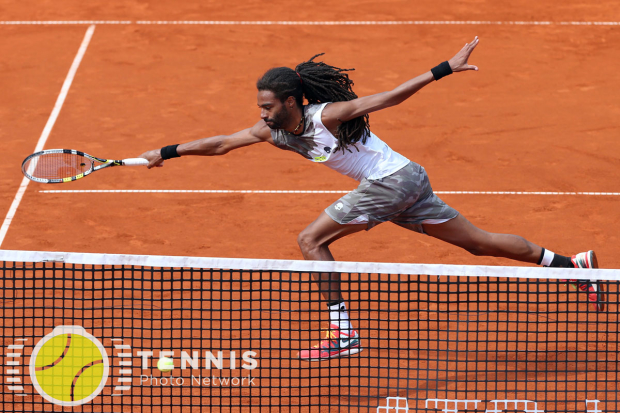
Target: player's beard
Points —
{"points": [[279, 119]]}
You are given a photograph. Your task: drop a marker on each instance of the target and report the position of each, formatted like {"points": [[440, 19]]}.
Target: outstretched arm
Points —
{"points": [[215, 145], [344, 111]]}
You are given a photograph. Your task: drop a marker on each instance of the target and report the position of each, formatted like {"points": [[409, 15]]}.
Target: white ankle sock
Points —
{"points": [[338, 316], [547, 258]]}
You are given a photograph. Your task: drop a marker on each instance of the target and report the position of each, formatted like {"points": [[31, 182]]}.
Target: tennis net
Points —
{"points": [[84, 332]]}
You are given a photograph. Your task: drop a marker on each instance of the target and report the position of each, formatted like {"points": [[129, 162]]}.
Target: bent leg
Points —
{"points": [[314, 243], [462, 233]]}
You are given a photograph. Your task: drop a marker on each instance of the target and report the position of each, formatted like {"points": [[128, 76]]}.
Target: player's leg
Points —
{"points": [[341, 338], [430, 215], [462, 233], [314, 243]]}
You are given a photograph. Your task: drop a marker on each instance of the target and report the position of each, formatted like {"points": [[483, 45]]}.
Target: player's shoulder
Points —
{"points": [[330, 115], [311, 109]]}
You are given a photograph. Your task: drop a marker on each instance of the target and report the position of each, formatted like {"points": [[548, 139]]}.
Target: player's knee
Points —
{"points": [[306, 241]]}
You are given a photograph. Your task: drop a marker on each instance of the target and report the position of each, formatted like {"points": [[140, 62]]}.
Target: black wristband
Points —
{"points": [[169, 151], [441, 70]]}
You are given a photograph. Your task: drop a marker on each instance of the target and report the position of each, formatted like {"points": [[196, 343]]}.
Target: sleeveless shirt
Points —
{"points": [[372, 160]]}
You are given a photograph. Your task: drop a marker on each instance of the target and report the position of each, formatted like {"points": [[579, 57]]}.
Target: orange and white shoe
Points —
{"points": [[596, 293], [335, 344]]}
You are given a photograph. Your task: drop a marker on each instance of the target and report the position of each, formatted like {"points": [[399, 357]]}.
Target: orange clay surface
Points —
{"points": [[542, 114]]}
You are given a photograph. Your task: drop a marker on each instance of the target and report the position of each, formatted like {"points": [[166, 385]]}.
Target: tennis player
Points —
{"points": [[332, 129]]}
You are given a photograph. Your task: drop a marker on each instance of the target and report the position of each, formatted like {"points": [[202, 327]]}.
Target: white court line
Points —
{"points": [[314, 23], [248, 191], [48, 128]]}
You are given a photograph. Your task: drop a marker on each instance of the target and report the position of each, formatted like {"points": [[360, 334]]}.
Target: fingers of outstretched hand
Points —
{"points": [[469, 47], [464, 67], [154, 158], [157, 164], [472, 46], [459, 62]]}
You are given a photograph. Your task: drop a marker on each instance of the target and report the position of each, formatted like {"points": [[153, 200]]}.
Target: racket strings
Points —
{"points": [[57, 165]]}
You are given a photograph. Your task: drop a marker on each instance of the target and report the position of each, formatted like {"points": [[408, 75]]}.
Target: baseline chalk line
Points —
{"points": [[314, 23]]}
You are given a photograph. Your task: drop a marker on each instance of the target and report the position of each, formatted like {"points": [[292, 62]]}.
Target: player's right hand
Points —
{"points": [[154, 158]]}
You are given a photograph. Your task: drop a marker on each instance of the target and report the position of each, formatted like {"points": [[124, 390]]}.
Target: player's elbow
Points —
{"points": [[221, 148]]}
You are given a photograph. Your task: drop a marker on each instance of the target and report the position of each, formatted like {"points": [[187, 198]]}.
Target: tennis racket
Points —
{"points": [[55, 166]]}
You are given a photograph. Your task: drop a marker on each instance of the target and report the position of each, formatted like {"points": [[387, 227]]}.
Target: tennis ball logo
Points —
{"points": [[69, 367]]}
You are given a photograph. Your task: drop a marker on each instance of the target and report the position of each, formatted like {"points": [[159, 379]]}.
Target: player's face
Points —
{"points": [[272, 111]]}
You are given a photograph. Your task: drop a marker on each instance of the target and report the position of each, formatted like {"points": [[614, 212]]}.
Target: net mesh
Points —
{"points": [[430, 342]]}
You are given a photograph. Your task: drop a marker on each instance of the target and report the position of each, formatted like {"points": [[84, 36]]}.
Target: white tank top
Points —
{"points": [[372, 160]]}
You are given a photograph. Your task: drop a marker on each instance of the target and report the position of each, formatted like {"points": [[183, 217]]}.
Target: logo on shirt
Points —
{"points": [[321, 158], [339, 206], [327, 149]]}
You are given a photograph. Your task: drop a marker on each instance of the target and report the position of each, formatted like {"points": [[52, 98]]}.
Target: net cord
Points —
{"points": [[301, 266]]}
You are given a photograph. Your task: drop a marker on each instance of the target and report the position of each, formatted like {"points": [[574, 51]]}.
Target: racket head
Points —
{"points": [[57, 165]]}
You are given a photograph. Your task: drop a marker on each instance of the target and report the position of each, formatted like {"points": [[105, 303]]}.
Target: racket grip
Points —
{"points": [[135, 162]]}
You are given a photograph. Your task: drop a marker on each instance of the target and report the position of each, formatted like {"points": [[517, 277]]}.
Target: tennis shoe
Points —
{"points": [[593, 288], [335, 344]]}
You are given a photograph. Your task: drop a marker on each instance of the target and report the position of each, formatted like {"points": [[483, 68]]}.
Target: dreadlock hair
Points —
{"points": [[318, 83]]}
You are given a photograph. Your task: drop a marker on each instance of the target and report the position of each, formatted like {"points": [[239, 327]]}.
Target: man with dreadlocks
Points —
{"points": [[332, 129]]}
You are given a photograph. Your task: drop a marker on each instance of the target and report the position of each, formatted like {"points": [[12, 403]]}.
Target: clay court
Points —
{"points": [[528, 145]]}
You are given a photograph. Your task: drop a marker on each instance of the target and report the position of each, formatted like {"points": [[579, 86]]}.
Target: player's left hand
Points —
{"points": [[459, 62]]}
